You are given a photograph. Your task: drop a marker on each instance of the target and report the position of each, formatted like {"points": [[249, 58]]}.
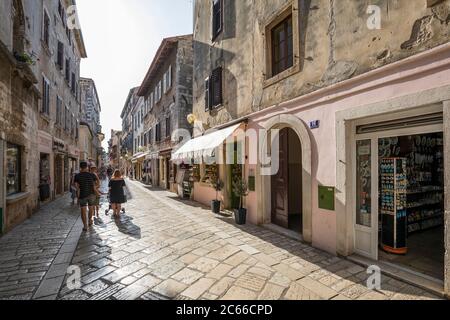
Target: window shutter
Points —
{"points": [[217, 87], [60, 58], [169, 77], [207, 95]]}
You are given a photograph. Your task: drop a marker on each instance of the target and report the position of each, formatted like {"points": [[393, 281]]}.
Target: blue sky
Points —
{"points": [[121, 38]]}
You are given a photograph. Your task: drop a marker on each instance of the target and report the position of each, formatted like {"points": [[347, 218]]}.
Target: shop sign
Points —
{"points": [[59, 145], [45, 143]]}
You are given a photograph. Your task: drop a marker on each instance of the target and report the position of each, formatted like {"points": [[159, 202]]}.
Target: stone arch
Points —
{"points": [[300, 128]]}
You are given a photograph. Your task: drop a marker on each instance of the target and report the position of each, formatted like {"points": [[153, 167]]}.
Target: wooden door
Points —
{"points": [[280, 183]]}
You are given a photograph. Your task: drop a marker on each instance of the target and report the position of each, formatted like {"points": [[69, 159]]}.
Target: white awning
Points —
{"points": [[138, 156], [204, 146]]}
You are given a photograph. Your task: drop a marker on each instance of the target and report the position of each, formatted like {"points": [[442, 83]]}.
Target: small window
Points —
{"points": [[213, 91], [158, 132], [68, 70], [59, 111], [13, 169], [168, 80], [73, 84], [60, 57], [217, 18], [282, 46], [46, 29], [45, 96], [168, 127], [67, 122]]}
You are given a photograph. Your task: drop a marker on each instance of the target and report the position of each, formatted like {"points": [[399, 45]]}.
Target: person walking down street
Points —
{"points": [[97, 192], [85, 183], [117, 193], [73, 188], [109, 172]]}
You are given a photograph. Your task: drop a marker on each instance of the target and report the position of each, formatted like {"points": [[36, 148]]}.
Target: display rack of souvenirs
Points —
{"points": [[211, 174], [195, 173], [393, 203], [425, 185]]}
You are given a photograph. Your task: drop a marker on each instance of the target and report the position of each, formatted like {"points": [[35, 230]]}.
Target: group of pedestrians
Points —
{"points": [[86, 188]]}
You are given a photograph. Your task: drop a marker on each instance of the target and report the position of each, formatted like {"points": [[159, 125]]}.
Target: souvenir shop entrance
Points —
{"points": [[400, 193]]}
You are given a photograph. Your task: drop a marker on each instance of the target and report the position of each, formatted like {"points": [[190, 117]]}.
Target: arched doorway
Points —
{"points": [[298, 142], [286, 183]]}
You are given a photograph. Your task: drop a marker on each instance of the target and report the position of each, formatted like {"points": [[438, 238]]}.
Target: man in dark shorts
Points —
{"points": [[85, 183]]}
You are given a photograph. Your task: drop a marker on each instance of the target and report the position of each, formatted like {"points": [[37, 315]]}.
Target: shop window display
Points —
{"points": [[411, 190], [13, 168]]}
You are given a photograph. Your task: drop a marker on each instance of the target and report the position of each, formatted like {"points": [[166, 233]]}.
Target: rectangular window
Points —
{"points": [[168, 80], [68, 70], [151, 100], [60, 9], [13, 169], [45, 96], [46, 29], [158, 132], [282, 46], [150, 136], [217, 18], [67, 122], [59, 111], [168, 127], [159, 90], [73, 84], [60, 57]]}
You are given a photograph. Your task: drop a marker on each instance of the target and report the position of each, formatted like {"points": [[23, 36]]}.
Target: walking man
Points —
{"points": [[85, 183]]}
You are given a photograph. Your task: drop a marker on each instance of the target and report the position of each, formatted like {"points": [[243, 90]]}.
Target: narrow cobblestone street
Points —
{"points": [[164, 248]]}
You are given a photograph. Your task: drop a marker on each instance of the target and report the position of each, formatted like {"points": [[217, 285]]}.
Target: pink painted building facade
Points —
{"points": [[342, 145]]}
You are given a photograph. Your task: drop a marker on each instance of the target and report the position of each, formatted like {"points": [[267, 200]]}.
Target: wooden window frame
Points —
{"points": [[45, 108], [216, 32], [46, 24], [290, 9], [214, 83], [288, 59]]}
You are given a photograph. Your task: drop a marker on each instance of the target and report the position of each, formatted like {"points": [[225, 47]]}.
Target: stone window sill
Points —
{"points": [[282, 76], [17, 197]]}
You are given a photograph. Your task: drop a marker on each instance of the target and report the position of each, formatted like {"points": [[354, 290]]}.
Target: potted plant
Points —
{"points": [[240, 189], [215, 204], [24, 58]]}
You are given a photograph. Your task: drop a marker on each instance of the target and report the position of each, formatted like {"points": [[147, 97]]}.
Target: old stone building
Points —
{"points": [[326, 91], [167, 89], [60, 52], [19, 103], [127, 146], [40, 104], [90, 115], [115, 157]]}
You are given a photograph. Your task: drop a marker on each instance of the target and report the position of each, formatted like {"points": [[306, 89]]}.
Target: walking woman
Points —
{"points": [[117, 193]]}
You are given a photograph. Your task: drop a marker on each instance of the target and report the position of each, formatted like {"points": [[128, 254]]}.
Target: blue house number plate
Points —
{"points": [[314, 124]]}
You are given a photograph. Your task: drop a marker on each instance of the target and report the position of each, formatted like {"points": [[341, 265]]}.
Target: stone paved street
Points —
{"points": [[164, 248], [35, 255]]}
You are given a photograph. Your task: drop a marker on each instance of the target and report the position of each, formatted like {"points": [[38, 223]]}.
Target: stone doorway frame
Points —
{"points": [[265, 186], [344, 162]]}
